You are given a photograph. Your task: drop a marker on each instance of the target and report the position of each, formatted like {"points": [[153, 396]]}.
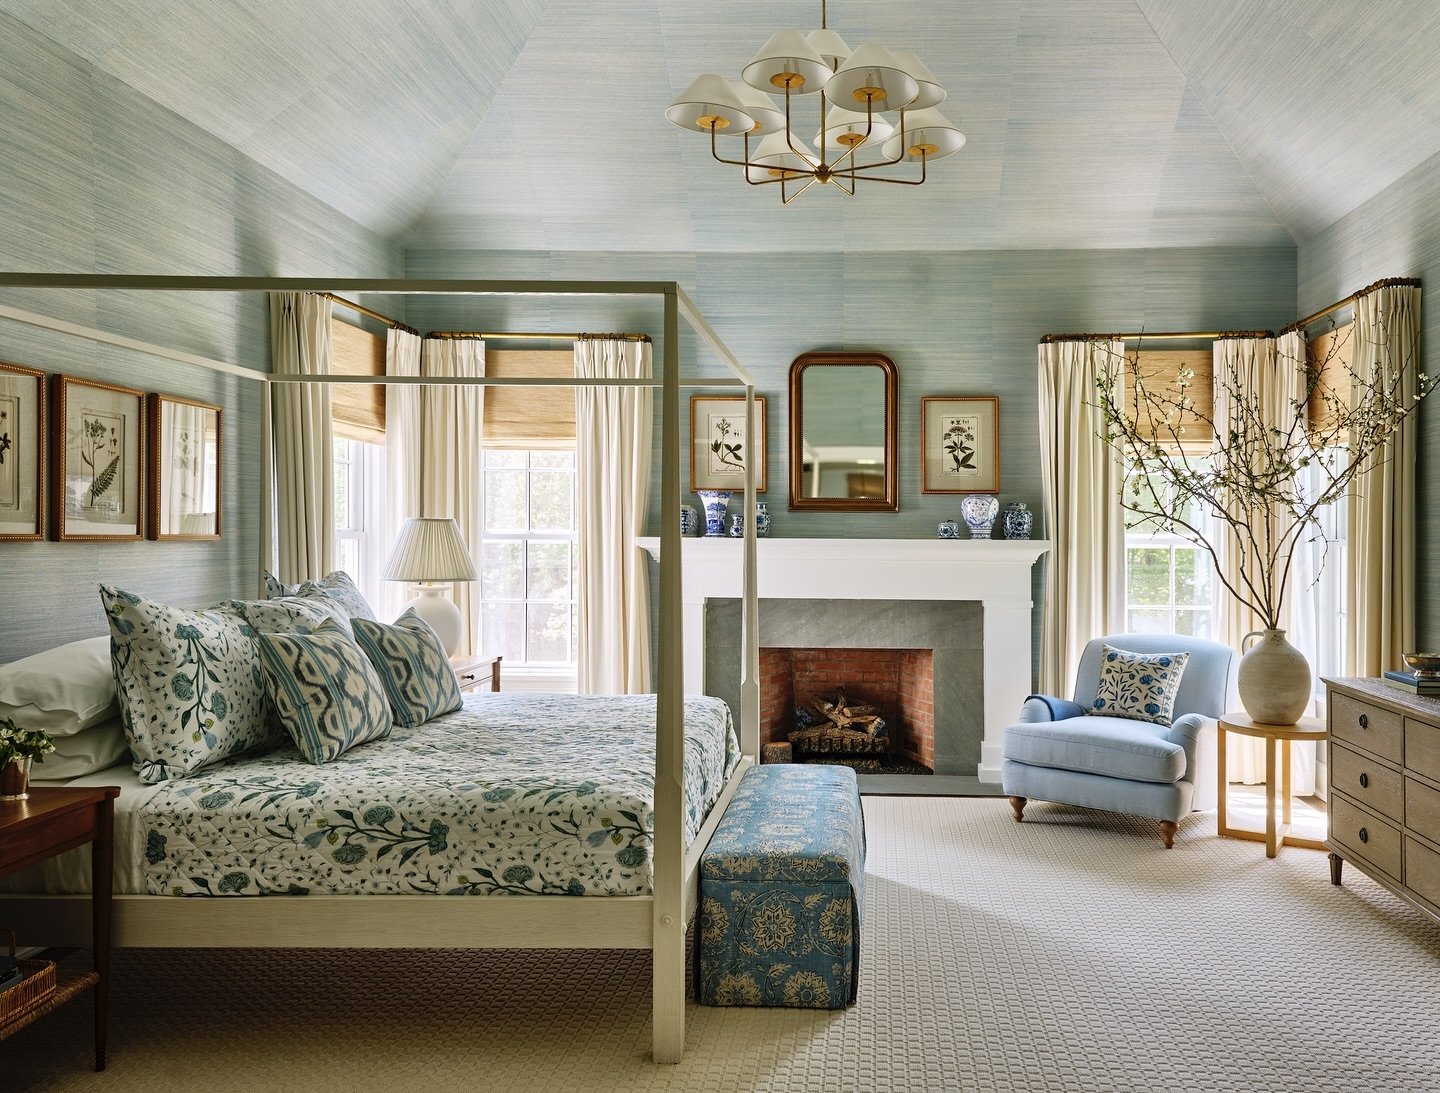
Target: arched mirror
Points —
{"points": [[842, 433]]}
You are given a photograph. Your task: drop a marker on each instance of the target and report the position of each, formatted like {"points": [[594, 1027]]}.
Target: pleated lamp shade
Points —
{"points": [[429, 549], [430, 552]]}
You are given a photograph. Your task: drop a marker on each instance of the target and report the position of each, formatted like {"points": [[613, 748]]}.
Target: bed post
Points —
{"points": [[667, 993], [750, 607]]}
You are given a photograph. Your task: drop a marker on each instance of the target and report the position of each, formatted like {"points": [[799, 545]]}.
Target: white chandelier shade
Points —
{"points": [[872, 75], [850, 127], [876, 120], [928, 136], [710, 103]]}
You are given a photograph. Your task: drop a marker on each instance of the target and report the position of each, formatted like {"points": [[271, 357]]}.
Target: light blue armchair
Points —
{"points": [[1059, 752]]}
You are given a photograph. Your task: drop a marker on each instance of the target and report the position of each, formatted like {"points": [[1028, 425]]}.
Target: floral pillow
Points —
{"points": [[1140, 686], [324, 690], [191, 692], [411, 662]]}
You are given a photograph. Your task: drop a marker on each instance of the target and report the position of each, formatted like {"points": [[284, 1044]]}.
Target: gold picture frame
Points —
{"points": [[22, 453], [718, 445], [185, 463], [960, 444], [97, 461]]}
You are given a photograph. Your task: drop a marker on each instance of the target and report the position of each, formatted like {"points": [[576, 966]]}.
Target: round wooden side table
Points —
{"points": [[1278, 739]]}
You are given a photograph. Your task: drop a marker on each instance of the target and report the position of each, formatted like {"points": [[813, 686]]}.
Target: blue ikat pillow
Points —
{"points": [[1140, 686]]}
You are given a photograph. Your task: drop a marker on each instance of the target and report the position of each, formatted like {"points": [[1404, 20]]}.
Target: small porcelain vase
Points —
{"points": [[737, 525], [689, 520], [15, 780], [1018, 520], [762, 519], [979, 511], [716, 503], [1274, 679], [948, 529]]}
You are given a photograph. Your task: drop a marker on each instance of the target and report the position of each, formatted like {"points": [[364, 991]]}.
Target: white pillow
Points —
{"points": [[62, 690], [92, 749]]}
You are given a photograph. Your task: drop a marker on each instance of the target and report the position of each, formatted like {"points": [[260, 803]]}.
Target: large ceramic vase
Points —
{"points": [[716, 503], [1274, 679]]}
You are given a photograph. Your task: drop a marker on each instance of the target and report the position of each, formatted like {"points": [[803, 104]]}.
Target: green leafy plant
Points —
{"points": [[18, 743]]}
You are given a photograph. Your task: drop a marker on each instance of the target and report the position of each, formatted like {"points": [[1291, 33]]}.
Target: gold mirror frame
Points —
{"points": [[889, 500]]}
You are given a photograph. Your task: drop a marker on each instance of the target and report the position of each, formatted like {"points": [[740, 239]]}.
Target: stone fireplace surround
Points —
{"points": [[972, 597]]}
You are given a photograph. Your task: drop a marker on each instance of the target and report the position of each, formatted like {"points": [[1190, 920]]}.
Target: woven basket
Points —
{"points": [[32, 991]]}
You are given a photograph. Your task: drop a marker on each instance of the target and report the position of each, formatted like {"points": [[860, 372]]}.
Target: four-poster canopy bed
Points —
{"points": [[656, 920]]}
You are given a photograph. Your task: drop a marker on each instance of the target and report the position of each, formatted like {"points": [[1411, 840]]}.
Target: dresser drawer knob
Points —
{"points": [[1364, 835], [1364, 721], [1364, 780]]}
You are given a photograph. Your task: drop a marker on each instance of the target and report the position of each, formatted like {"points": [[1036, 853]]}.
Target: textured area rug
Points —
{"points": [[1070, 952]]}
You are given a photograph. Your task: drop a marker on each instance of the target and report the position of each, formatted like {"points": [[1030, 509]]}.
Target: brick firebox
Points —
{"points": [[900, 682]]}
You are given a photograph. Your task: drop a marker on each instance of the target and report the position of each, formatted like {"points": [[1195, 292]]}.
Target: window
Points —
{"points": [[1170, 585], [359, 484], [1320, 575], [528, 557]]}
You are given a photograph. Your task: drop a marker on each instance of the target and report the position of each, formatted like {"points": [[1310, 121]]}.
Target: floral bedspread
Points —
{"points": [[524, 794]]}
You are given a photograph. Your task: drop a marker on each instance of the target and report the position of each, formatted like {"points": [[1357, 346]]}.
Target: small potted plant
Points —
{"points": [[18, 747]]}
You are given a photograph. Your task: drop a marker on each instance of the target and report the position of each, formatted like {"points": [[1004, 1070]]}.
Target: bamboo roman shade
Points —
{"points": [[529, 417], [358, 409], [1330, 354], [1159, 371]]}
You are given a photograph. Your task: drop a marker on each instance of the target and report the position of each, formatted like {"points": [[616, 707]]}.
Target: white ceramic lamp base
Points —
{"points": [[437, 609]]}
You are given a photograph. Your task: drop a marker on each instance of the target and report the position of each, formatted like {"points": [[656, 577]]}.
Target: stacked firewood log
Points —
{"points": [[831, 729]]}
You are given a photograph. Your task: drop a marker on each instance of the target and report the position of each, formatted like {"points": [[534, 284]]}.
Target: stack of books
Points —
{"points": [[1406, 681]]}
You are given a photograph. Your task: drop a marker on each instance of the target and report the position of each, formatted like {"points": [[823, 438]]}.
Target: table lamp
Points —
{"points": [[429, 552]]}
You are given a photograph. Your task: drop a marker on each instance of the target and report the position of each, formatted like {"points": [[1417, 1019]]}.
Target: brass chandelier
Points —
{"points": [[888, 98]]}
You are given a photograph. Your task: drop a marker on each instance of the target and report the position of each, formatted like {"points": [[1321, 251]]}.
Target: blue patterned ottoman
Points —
{"points": [[781, 885]]}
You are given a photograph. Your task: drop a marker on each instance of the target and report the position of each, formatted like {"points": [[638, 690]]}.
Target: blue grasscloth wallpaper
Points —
{"points": [[97, 179]]}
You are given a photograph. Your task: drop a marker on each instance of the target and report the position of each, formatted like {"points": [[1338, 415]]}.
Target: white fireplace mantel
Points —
{"points": [[996, 573]]}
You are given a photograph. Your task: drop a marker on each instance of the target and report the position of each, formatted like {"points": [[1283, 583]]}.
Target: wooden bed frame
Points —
{"points": [[658, 921]]}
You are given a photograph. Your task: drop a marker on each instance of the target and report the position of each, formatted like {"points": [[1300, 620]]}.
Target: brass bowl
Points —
{"points": [[1424, 665]]}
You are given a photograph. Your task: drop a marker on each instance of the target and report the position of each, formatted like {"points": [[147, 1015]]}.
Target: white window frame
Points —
{"points": [[519, 674], [364, 525]]}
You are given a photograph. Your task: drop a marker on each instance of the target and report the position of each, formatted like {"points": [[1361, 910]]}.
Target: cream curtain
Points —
{"points": [[1081, 478], [1258, 375], [304, 501], [451, 430], [1380, 559], [612, 442], [402, 451]]}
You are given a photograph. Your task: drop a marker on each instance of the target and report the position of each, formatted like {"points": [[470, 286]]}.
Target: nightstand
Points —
{"points": [[49, 822], [476, 670]]}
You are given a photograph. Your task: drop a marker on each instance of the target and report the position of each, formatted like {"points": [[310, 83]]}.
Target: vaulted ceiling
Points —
{"points": [[539, 124]]}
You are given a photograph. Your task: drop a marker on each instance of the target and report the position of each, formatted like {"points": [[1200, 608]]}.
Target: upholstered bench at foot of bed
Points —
{"points": [[781, 886]]}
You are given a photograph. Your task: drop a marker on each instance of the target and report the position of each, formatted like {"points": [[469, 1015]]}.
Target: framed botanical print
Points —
{"points": [[22, 452], [719, 447], [184, 468], [97, 471], [960, 444]]}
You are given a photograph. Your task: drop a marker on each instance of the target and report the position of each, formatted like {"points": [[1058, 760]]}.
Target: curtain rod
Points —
{"points": [[1159, 336], [1388, 282], [534, 336], [363, 310]]}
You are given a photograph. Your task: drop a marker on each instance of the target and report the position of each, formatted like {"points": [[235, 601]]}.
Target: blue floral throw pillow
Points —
{"points": [[413, 667], [288, 614], [190, 687], [324, 691], [1140, 686]]}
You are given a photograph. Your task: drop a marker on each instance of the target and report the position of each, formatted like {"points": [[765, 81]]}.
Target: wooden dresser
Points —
{"points": [[1384, 781]]}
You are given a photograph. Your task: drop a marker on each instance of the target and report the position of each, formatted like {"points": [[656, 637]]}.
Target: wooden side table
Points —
{"points": [[1278, 739], [477, 669], [50, 822]]}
